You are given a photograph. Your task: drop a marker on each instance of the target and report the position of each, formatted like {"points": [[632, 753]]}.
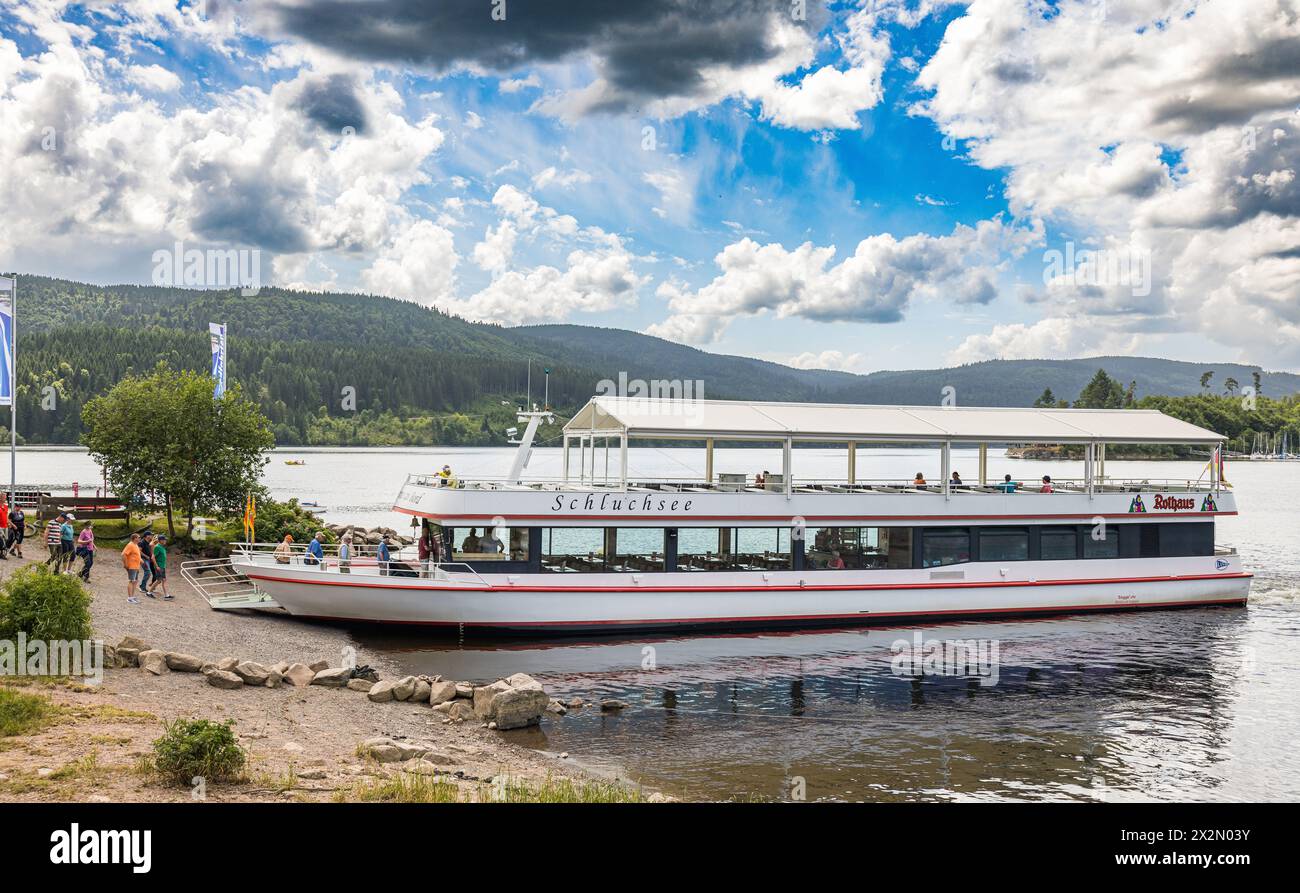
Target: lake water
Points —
{"points": [[1174, 705]]}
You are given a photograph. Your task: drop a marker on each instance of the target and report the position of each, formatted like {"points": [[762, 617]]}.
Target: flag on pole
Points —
{"points": [[7, 287], [250, 517], [217, 332]]}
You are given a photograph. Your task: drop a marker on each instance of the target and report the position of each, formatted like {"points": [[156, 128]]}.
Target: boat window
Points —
{"points": [[573, 550], [1182, 539], [1057, 543], [635, 548], [945, 546], [1004, 545], [501, 543], [733, 548], [854, 548], [1101, 541], [1148, 541]]}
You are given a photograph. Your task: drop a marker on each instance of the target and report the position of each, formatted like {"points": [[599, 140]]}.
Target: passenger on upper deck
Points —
{"points": [[956, 479], [447, 478], [759, 480], [1007, 485], [919, 481], [1047, 484]]}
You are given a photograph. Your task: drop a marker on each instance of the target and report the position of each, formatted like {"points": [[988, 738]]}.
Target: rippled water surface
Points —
{"points": [[1199, 704]]}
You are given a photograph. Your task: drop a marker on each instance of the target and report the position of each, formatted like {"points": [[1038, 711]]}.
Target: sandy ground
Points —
{"points": [[301, 741]]}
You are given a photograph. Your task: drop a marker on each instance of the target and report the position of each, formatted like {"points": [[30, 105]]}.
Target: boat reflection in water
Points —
{"points": [[1090, 708]]}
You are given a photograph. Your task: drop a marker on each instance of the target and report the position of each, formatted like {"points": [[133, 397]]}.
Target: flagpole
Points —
{"points": [[13, 395]]}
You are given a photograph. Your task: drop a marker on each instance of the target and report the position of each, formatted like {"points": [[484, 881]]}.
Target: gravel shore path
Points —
{"points": [[307, 736]]}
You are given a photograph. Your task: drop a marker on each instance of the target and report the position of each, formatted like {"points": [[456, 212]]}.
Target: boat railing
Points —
{"points": [[864, 486], [361, 560]]}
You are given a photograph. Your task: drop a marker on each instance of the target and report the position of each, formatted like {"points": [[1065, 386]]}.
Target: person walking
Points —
{"points": [[146, 563], [4, 527], [18, 521], [160, 567], [53, 536], [131, 561], [86, 550], [67, 543]]}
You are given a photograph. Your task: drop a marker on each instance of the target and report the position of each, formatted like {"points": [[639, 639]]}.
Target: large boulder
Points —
{"points": [[252, 672], [224, 679], [333, 677], [317, 666], [404, 688], [274, 679], [183, 663], [441, 692], [519, 707], [228, 664], [299, 674], [134, 643], [382, 691], [484, 695], [460, 710], [127, 657], [421, 693], [360, 684], [154, 661]]}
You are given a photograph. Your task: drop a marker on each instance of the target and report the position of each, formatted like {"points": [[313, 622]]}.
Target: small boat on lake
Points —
{"points": [[295, 461], [600, 550]]}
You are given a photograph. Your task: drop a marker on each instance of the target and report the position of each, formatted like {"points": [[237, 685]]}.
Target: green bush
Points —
{"points": [[199, 748], [44, 605], [275, 519], [21, 712]]}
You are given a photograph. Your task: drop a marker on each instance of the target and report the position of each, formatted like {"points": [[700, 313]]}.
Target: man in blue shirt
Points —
{"points": [[1007, 485], [315, 554], [385, 555]]}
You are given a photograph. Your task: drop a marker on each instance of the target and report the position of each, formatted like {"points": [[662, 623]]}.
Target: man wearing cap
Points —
{"points": [[384, 555]]}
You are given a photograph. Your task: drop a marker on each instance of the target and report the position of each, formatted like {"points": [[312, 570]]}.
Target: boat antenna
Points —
{"points": [[546, 399]]}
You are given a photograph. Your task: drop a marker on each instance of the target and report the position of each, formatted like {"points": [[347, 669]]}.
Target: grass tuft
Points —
{"points": [[22, 713]]}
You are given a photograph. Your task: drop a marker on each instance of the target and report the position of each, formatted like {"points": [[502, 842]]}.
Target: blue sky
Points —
{"points": [[875, 184]]}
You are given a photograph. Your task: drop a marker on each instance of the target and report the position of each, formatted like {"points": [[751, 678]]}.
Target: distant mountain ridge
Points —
{"points": [[295, 352]]}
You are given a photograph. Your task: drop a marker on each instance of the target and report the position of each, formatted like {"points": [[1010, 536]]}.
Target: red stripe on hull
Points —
{"points": [[859, 618]]}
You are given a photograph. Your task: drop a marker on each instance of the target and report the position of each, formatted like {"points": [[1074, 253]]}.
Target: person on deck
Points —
{"points": [[345, 552], [160, 567], [489, 543], [471, 543], [956, 480], [385, 555], [919, 480], [18, 523], [1007, 485], [446, 476], [131, 561], [758, 480], [1047, 484], [315, 552], [86, 550], [284, 552]]}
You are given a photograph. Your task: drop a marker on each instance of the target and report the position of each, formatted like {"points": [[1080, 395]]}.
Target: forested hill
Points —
{"points": [[421, 376]]}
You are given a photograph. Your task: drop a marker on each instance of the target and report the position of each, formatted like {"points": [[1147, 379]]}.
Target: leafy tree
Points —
{"points": [[1046, 399], [1205, 379], [164, 437], [1259, 388], [1230, 386]]}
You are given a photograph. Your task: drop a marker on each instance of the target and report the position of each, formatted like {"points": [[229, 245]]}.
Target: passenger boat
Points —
{"points": [[597, 550]]}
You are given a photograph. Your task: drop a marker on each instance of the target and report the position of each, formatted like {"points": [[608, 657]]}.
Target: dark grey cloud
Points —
{"points": [[647, 49], [242, 206], [332, 103]]}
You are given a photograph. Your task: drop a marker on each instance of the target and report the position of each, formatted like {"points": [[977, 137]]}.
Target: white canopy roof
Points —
{"points": [[727, 419]]}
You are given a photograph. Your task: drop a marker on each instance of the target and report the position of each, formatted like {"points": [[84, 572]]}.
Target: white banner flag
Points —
{"points": [[7, 287], [217, 331]]}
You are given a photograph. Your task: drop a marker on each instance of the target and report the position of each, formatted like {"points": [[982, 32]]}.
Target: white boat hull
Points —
{"points": [[559, 603]]}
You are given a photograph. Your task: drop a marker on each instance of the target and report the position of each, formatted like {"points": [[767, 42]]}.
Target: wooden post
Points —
{"points": [[853, 462], [708, 460], [984, 464]]}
